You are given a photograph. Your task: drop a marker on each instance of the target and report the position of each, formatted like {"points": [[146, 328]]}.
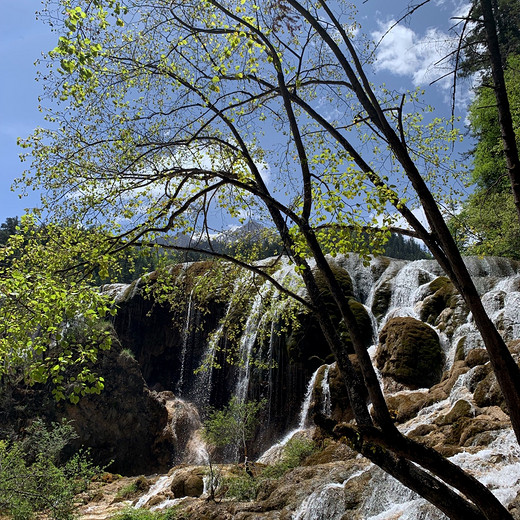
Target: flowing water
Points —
{"points": [[275, 452], [407, 283]]}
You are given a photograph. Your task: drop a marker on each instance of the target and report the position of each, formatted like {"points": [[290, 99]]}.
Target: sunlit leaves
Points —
{"points": [[183, 119], [52, 326]]}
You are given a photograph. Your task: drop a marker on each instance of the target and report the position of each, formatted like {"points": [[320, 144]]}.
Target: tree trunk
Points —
{"points": [[388, 437], [397, 454], [504, 112]]}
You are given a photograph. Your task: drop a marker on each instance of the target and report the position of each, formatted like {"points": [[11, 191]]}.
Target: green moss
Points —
{"points": [[442, 295], [306, 341], [439, 283], [382, 297], [342, 277], [139, 485], [459, 352], [410, 353]]}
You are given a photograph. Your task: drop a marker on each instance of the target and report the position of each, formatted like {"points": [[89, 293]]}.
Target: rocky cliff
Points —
{"points": [[252, 342]]}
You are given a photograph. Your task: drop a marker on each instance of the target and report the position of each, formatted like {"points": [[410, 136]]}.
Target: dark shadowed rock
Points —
{"points": [[125, 418]]}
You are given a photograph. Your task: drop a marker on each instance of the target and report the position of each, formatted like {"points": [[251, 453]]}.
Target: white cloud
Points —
{"points": [[405, 53]]}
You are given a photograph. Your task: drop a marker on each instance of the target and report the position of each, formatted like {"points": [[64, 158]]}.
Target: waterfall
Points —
{"points": [[204, 374], [304, 412], [276, 451], [327, 503], [326, 405], [186, 427], [247, 342], [162, 485], [185, 337], [265, 307], [404, 288]]}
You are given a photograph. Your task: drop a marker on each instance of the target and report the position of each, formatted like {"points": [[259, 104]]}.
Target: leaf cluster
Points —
{"points": [[34, 478], [52, 323], [233, 425]]}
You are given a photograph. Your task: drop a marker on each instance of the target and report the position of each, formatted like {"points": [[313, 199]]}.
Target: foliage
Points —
{"points": [[245, 486], [489, 167], [52, 325], [488, 223], [241, 487], [143, 514], [234, 425], [34, 478], [295, 452], [130, 490], [171, 119], [399, 247], [8, 228], [507, 14], [142, 150]]}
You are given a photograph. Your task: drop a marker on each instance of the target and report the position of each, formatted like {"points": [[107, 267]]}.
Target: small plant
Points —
{"points": [[143, 514], [127, 353], [242, 487], [139, 485], [234, 425], [295, 452], [35, 477]]}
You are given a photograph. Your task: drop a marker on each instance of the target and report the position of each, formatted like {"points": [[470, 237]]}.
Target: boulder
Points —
{"points": [[410, 353], [126, 417], [188, 482]]}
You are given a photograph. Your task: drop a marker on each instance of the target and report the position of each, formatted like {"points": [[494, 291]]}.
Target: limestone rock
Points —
{"points": [[409, 352], [125, 418], [188, 482]]}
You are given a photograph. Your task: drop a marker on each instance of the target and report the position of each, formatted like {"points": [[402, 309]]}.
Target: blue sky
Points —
{"points": [[22, 39], [405, 60]]}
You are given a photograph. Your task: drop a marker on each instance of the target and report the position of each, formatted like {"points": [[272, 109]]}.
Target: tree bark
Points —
{"points": [[394, 453], [504, 111]]}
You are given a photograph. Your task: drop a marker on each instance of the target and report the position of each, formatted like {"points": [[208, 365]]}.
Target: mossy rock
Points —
{"points": [[460, 353], [188, 482], [441, 295], [342, 277], [306, 341], [382, 298], [488, 393], [363, 322], [459, 410], [410, 353]]}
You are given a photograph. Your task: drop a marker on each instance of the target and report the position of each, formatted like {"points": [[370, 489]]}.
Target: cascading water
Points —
{"points": [[326, 406], [276, 451], [247, 342], [204, 375], [267, 298], [327, 503], [185, 337], [406, 285]]}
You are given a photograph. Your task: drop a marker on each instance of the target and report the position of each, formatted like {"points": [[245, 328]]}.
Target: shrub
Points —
{"points": [[143, 514], [242, 487], [295, 452], [130, 490], [34, 477]]}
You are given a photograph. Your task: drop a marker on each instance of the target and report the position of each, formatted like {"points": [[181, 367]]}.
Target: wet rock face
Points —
{"points": [[442, 306], [125, 426], [410, 353], [126, 418], [306, 342]]}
